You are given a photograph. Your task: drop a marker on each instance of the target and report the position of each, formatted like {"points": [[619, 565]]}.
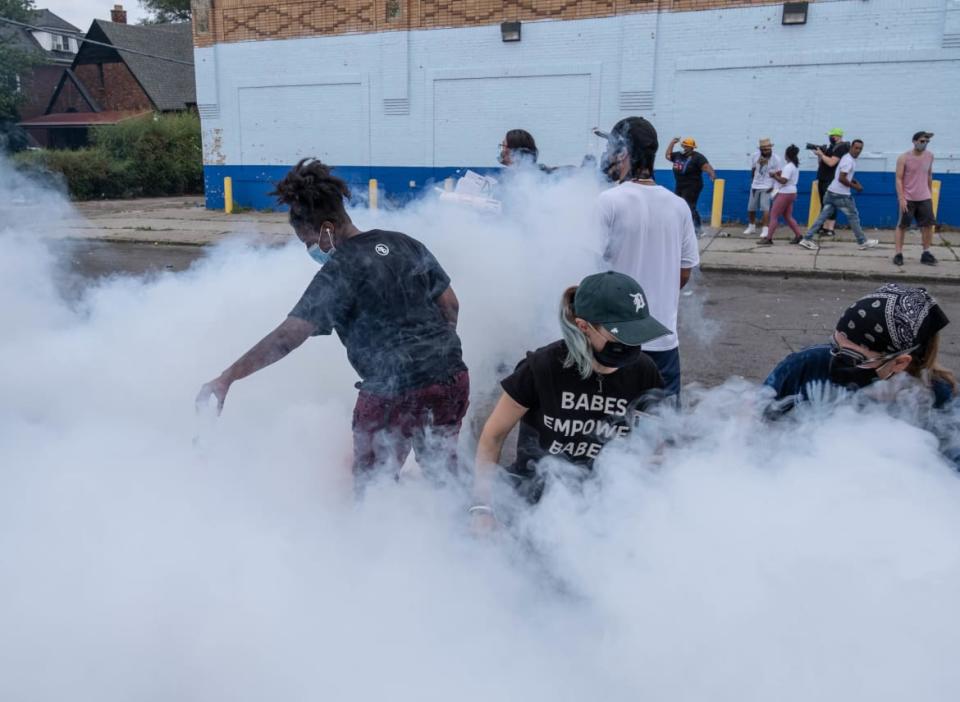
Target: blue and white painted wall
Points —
{"points": [[409, 108]]}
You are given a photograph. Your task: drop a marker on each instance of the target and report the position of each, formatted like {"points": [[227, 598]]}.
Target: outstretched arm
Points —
{"points": [[292, 332]]}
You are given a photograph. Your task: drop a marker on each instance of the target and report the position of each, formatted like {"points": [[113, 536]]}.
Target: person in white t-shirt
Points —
{"points": [[649, 234], [784, 195], [839, 199], [763, 164]]}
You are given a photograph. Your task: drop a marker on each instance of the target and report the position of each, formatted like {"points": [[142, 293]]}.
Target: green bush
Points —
{"points": [[88, 174], [151, 156]]}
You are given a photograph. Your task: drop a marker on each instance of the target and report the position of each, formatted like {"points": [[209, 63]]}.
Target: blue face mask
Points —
{"points": [[318, 254]]}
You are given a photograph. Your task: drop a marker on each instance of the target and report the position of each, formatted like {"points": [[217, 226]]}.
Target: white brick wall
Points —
{"points": [[880, 69]]}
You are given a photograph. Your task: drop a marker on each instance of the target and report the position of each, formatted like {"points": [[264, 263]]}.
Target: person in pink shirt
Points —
{"points": [[785, 194], [915, 196]]}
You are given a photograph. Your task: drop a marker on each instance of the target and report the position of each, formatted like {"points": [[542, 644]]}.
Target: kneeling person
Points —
{"points": [[574, 395]]}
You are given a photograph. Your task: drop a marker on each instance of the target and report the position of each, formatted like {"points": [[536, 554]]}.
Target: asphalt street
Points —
{"points": [[730, 323]]}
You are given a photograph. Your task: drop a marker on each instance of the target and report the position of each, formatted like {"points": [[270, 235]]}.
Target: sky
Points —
{"points": [[81, 13]]}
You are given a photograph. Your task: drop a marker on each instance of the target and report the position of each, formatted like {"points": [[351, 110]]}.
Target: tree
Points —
{"points": [[15, 62], [165, 11]]}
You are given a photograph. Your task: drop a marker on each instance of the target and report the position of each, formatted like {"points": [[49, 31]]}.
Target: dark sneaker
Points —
{"points": [[797, 240], [928, 258], [898, 260], [826, 232], [765, 241]]}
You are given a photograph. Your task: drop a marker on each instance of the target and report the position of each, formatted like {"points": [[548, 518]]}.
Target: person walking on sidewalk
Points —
{"points": [[763, 164], [689, 166], [829, 156], [839, 199], [915, 196], [785, 195]]}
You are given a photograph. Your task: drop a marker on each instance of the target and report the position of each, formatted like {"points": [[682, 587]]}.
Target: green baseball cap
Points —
{"points": [[835, 132], [618, 303]]}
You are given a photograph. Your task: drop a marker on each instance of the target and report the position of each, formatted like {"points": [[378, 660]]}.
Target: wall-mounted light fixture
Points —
{"points": [[795, 12], [510, 31]]}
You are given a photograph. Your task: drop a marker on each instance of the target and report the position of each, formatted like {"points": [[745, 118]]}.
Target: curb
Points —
{"points": [[829, 275]]}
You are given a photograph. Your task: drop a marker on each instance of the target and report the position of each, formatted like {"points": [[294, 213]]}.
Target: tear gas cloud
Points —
{"points": [[148, 554]]}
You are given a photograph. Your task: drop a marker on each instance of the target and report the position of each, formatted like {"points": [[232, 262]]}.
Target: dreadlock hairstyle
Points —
{"points": [[639, 138], [313, 194]]}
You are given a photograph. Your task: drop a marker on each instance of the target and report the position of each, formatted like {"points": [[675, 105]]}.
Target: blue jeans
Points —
{"points": [[832, 204], [668, 363]]}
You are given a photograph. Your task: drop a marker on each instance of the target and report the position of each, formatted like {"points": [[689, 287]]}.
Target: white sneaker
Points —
{"points": [[807, 244], [869, 244], [764, 233], [751, 229]]}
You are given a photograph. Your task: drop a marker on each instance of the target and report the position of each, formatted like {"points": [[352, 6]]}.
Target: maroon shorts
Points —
{"points": [[426, 419]]}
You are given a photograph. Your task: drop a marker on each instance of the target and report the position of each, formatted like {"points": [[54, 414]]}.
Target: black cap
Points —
{"points": [[618, 303], [921, 135]]}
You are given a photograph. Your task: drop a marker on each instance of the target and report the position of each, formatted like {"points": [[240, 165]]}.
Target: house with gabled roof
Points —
{"points": [[126, 74], [54, 42]]}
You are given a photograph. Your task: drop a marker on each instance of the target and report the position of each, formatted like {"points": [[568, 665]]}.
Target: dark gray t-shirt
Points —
{"points": [[379, 293]]}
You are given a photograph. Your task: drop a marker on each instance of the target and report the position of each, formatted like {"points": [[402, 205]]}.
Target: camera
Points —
{"points": [[814, 147]]}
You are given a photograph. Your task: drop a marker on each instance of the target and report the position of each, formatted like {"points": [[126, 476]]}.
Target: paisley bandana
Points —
{"points": [[893, 318]]}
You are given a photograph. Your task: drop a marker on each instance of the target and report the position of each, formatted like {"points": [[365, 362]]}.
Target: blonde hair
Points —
{"points": [[579, 350], [928, 370]]}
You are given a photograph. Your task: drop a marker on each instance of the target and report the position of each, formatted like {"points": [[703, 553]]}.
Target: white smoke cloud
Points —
{"points": [[818, 559]]}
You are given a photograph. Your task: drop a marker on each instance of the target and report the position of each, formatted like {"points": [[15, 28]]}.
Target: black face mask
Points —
{"points": [[617, 355], [844, 373]]}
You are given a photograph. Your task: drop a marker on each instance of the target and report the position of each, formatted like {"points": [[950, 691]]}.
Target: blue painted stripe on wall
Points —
{"points": [[877, 204]]}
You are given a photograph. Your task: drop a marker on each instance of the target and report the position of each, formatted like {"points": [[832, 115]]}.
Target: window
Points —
{"points": [[394, 11], [61, 42]]}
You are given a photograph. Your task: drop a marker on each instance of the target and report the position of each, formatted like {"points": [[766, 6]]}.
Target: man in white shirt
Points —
{"points": [[763, 164], [649, 234], [839, 199]]}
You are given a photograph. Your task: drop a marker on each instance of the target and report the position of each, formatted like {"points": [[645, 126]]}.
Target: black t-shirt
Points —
{"points": [[571, 417], [840, 149], [379, 292], [688, 170]]}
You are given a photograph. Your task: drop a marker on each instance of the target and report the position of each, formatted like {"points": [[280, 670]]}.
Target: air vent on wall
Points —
{"points": [[209, 111], [951, 41], [396, 106], [636, 101]]}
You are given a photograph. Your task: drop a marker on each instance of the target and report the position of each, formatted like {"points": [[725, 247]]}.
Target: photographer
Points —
{"points": [[828, 156]]}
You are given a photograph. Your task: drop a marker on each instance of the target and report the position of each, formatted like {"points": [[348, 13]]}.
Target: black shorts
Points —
{"points": [[920, 210]]}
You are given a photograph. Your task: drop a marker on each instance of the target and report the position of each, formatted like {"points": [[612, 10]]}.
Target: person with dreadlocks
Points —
{"points": [[649, 234], [391, 304]]}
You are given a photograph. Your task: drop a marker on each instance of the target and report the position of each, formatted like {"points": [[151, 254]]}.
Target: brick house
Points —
{"points": [[56, 42], [124, 80]]}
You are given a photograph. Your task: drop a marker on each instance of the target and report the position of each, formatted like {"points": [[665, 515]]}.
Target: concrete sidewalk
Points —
{"points": [[184, 221]]}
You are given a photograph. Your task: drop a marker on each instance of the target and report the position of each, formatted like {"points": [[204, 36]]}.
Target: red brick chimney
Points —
{"points": [[118, 14]]}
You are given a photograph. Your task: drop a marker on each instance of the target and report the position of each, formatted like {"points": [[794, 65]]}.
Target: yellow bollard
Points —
{"points": [[716, 214], [228, 195], [936, 197], [373, 194], [814, 204]]}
